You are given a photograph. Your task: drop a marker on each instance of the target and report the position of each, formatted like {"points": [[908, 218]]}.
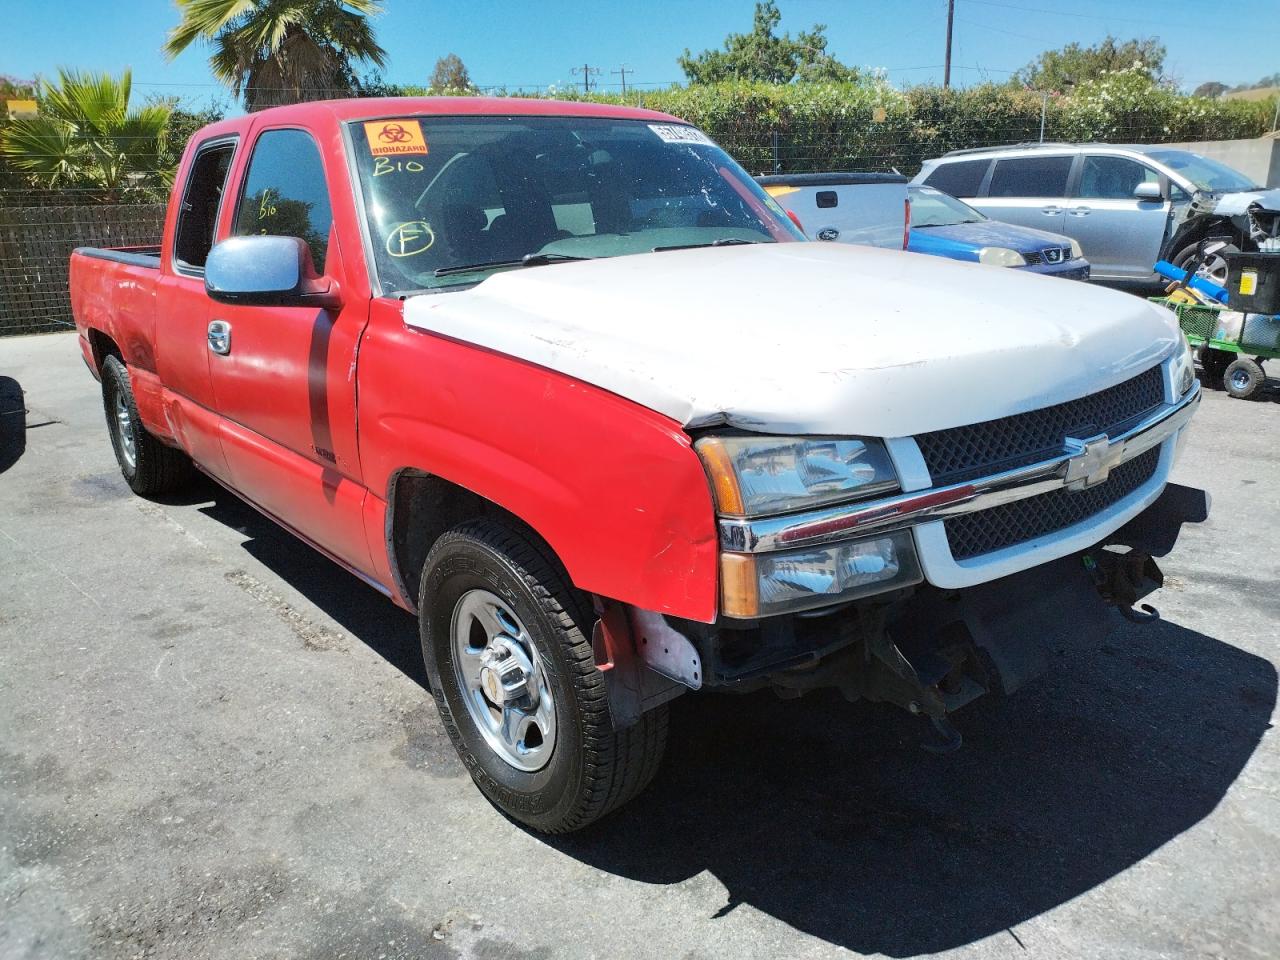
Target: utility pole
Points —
{"points": [[625, 69], [946, 69], [587, 72]]}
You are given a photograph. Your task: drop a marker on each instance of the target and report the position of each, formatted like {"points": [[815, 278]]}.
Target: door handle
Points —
{"points": [[1080, 211], [220, 336], [1050, 210]]}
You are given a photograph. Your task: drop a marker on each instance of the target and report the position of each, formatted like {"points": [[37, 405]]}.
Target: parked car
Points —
{"points": [[1126, 205], [556, 377], [943, 226], [863, 208]]}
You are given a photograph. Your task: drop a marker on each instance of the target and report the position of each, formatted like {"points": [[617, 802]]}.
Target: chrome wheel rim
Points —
{"points": [[503, 681], [124, 431], [1215, 269]]}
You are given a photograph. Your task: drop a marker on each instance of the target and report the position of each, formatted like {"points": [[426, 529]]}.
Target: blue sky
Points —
{"points": [[520, 43]]}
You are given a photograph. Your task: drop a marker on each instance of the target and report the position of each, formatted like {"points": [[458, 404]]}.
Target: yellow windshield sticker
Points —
{"points": [[410, 239], [391, 137], [780, 191]]}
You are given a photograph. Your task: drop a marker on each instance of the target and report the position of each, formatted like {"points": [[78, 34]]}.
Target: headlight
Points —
{"points": [[756, 476], [1001, 257], [1076, 250], [763, 584], [1183, 369]]}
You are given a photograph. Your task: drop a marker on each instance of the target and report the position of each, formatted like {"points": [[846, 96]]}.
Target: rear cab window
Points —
{"points": [[1031, 177], [963, 178], [285, 193], [201, 201]]}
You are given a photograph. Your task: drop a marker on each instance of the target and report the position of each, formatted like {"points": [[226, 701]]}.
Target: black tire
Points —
{"points": [[153, 467], [592, 768], [1216, 263], [1214, 363], [1243, 378]]}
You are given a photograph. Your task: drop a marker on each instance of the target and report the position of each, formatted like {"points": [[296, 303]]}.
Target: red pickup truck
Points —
{"points": [[562, 379]]}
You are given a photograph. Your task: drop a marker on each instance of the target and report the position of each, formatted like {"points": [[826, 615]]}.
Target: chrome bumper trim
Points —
{"points": [[1083, 463]]}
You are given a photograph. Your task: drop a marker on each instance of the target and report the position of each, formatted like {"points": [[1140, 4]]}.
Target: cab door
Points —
{"points": [[182, 308], [1121, 234], [284, 377]]}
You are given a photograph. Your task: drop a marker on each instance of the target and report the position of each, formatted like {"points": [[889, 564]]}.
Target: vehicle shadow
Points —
{"points": [[831, 818], [13, 423]]}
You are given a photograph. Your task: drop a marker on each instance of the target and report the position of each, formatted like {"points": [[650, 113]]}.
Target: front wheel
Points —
{"points": [[1214, 267], [506, 640]]}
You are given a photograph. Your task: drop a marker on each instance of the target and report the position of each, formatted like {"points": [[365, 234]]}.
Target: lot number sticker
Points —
{"points": [[389, 138], [673, 133]]}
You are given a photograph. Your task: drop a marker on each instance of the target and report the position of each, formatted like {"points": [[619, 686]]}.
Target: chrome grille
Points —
{"points": [[964, 453], [974, 534]]}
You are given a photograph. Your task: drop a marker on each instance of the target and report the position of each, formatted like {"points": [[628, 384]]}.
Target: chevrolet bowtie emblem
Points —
{"points": [[1091, 461]]}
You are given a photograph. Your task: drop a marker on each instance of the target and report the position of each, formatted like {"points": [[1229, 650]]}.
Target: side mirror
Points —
{"points": [[1147, 191], [266, 271]]}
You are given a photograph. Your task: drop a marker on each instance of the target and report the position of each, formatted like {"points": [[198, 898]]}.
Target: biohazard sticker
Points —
{"points": [[393, 137], [677, 133]]}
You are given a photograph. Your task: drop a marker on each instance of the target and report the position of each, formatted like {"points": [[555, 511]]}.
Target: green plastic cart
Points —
{"points": [[1231, 358]]}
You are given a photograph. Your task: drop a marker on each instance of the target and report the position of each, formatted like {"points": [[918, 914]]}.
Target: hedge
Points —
{"points": [[874, 126]]}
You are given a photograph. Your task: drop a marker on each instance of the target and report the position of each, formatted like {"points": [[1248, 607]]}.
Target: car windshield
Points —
{"points": [[1206, 174], [933, 208], [444, 194]]}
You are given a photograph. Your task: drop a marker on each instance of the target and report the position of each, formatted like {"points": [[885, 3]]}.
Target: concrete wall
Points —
{"points": [[1258, 158]]}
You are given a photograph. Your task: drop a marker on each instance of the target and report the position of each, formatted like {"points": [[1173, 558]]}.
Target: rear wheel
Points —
{"points": [[506, 640], [148, 466], [1243, 378]]}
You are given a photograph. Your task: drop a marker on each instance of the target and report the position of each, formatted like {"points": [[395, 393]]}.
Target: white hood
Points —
{"points": [[812, 338]]}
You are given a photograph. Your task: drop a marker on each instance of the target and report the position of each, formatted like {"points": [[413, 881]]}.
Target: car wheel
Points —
{"points": [[507, 645], [1214, 268], [148, 466], [1243, 378]]}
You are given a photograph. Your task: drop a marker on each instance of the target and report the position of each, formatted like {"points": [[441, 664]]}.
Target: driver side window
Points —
{"points": [[285, 194], [1113, 178]]}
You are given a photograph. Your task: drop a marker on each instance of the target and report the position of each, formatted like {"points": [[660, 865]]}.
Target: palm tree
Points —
{"points": [[281, 51], [85, 135]]}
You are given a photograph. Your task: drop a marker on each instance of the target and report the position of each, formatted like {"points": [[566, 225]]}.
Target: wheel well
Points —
{"points": [[422, 507], [103, 346], [1199, 228]]}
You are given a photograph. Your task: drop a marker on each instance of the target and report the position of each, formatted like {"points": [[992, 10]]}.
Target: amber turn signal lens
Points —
{"points": [[724, 482], [739, 586]]}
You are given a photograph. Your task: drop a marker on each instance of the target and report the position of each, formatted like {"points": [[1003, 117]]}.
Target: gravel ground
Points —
{"points": [[215, 743]]}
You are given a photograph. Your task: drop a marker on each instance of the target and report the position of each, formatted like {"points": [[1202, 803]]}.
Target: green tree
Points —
{"points": [[1056, 70], [281, 51], [450, 76], [84, 134], [1211, 88], [184, 121], [764, 56]]}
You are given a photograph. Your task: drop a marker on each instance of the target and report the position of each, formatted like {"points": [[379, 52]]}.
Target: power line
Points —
{"points": [[587, 72], [623, 70]]}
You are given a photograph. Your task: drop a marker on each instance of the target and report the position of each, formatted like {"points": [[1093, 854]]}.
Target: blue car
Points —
{"points": [[943, 226]]}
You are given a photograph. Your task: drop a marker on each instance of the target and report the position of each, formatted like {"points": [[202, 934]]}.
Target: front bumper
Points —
{"points": [[1077, 269], [1081, 464]]}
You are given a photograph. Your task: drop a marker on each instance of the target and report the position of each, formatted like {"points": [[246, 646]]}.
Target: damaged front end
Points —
{"points": [[928, 650]]}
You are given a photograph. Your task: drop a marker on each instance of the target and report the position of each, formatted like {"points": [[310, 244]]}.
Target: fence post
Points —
{"points": [[777, 160]]}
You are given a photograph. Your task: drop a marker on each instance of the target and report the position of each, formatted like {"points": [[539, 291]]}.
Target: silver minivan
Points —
{"points": [[1126, 205]]}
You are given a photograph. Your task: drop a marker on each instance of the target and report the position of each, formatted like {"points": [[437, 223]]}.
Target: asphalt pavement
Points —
{"points": [[215, 743]]}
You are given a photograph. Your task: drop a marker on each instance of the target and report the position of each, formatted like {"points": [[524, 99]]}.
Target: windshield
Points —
{"points": [[1206, 174], [446, 193], [933, 208]]}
